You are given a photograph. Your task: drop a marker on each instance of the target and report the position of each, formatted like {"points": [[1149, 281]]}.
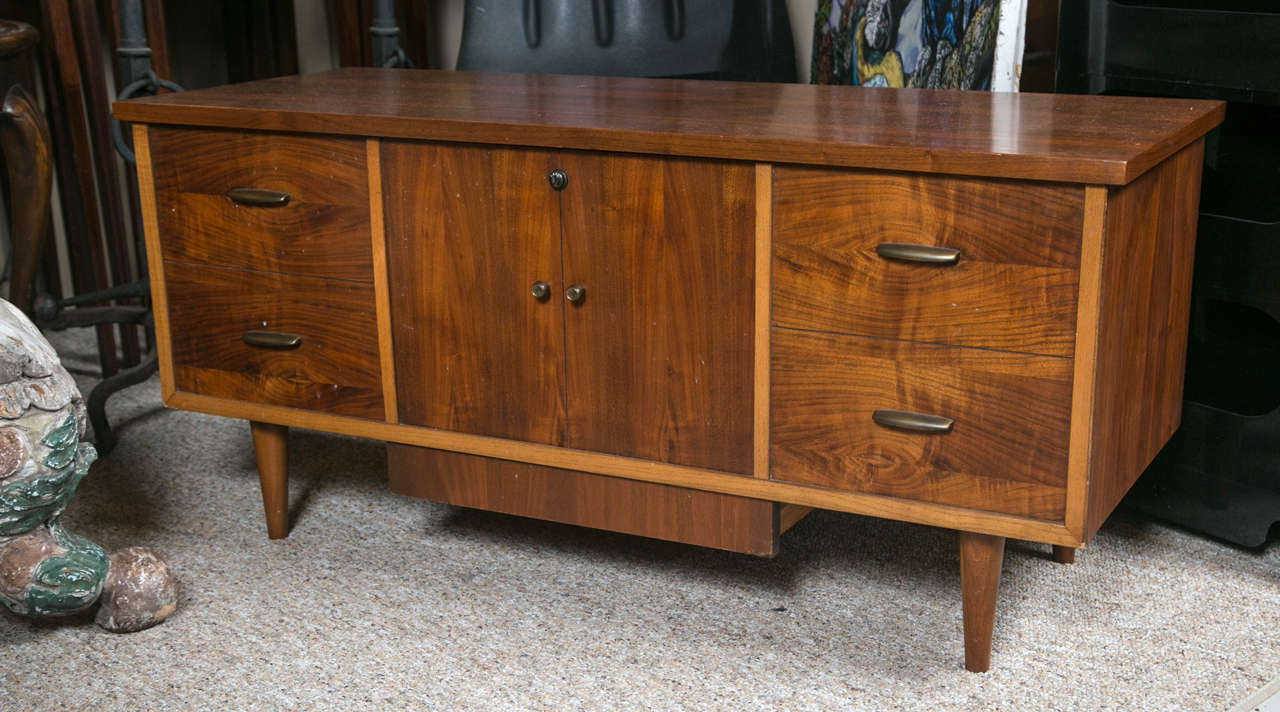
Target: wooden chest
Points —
{"points": [[686, 310]]}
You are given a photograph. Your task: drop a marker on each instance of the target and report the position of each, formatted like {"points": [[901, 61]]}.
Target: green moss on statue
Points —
{"points": [[46, 570]]}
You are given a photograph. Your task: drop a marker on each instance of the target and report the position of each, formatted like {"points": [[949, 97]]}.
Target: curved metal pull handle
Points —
{"points": [[919, 422], [928, 254], [258, 197], [272, 340]]}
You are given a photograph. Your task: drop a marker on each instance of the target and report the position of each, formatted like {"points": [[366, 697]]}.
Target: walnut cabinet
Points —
{"points": [[687, 310]]}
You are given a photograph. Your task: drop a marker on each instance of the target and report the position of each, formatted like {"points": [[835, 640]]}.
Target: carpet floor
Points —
{"points": [[380, 602]]}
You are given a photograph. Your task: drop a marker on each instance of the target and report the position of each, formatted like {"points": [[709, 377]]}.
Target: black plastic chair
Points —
{"points": [[745, 40]]}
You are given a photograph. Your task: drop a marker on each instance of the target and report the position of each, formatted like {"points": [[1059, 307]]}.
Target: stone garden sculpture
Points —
{"points": [[44, 569]]}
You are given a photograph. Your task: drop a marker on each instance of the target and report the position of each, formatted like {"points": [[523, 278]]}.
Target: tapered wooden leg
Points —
{"points": [[273, 464], [981, 556], [1064, 554]]}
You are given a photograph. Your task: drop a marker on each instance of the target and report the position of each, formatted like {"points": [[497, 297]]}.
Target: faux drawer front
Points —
{"points": [[1007, 450], [333, 368], [321, 228], [1012, 285]]}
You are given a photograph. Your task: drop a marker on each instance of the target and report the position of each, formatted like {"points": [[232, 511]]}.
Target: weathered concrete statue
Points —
{"points": [[44, 569]]}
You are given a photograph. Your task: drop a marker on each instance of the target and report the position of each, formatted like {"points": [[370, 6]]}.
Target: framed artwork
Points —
{"points": [[934, 44]]}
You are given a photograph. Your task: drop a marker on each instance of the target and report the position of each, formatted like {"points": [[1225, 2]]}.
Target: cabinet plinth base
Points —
{"points": [[748, 526]]}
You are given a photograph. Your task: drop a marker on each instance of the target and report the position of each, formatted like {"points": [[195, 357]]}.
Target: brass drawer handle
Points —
{"points": [[258, 197], [272, 340], [928, 254], [918, 422]]}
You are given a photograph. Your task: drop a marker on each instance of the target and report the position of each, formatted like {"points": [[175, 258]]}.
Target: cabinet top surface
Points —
{"points": [[1055, 137]]}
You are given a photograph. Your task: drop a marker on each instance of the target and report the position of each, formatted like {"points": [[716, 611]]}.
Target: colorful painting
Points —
{"points": [[935, 44]]}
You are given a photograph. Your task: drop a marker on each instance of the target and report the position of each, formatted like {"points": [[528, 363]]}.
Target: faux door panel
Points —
{"points": [[469, 230], [659, 352]]}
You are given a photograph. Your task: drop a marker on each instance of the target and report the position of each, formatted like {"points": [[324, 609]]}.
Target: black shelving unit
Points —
{"points": [[1220, 474]]}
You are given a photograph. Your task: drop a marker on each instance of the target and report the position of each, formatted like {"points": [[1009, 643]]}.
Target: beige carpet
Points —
{"points": [[379, 602]]}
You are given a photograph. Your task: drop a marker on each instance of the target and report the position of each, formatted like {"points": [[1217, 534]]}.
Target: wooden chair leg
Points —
{"points": [[981, 557], [1064, 554], [269, 445], [24, 140]]}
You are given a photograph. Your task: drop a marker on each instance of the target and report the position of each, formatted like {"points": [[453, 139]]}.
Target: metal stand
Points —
{"points": [[138, 77], [385, 34]]}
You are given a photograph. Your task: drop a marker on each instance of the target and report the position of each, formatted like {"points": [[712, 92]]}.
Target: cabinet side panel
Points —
{"points": [[660, 361], [1148, 253], [667, 512], [469, 229]]}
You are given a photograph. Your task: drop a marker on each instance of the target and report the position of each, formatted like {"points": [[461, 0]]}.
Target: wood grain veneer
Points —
{"points": [[26, 145], [763, 318], [660, 245], [739, 328], [1142, 325], [1013, 288], [1008, 449], [981, 558], [469, 229], [748, 526], [381, 286], [1084, 364], [790, 515], [155, 263], [323, 231], [643, 470], [1052, 137], [271, 452], [335, 368]]}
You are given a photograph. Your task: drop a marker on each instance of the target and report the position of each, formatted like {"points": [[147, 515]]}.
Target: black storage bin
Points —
{"points": [[1208, 49], [1220, 473]]}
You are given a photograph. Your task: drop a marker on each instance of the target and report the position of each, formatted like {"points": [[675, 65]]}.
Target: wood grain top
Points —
{"points": [[1054, 137]]}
